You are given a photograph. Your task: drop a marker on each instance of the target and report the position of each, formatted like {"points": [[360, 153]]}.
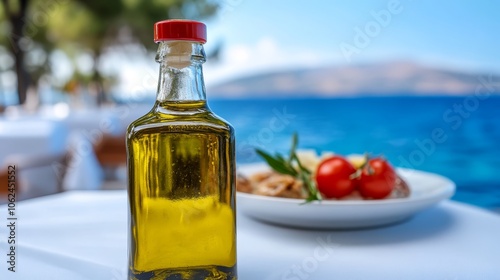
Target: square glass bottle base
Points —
{"points": [[201, 273]]}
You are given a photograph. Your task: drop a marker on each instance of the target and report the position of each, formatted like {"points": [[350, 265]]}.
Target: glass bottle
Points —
{"points": [[181, 168]]}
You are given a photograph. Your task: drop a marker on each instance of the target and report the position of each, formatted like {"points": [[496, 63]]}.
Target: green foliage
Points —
{"points": [[287, 166], [76, 26], [96, 24]]}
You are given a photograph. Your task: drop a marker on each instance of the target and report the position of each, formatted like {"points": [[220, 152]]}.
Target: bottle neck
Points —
{"points": [[181, 74]]}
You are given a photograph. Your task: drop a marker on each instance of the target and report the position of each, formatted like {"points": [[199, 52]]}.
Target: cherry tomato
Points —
{"points": [[377, 179], [333, 177]]}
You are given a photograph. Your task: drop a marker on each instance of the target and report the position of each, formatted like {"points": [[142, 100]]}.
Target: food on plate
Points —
{"points": [[272, 184], [303, 174], [334, 177], [377, 179]]}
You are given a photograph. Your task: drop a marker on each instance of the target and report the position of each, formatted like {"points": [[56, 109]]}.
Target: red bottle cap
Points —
{"points": [[183, 30]]}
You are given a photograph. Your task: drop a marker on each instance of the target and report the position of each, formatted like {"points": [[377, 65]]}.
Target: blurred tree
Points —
{"points": [[36, 28], [15, 13]]}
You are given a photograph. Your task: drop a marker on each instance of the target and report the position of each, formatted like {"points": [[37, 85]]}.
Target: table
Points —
{"points": [[82, 235], [55, 131], [91, 120], [31, 136]]}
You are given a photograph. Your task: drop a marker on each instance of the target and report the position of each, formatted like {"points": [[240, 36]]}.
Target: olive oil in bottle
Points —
{"points": [[181, 170]]}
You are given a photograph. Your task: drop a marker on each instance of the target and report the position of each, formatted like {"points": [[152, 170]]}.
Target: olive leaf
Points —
{"points": [[286, 166], [277, 163]]}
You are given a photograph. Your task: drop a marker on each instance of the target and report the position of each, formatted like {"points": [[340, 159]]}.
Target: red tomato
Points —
{"points": [[378, 179], [333, 177]]}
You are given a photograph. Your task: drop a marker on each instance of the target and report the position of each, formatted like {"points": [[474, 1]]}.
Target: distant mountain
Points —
{"points": [[382, 79]]}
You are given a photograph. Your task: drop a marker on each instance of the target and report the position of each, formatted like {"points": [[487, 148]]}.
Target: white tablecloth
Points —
{"points": [[31, 137], [91, 121], [83, 235], [55, 130]]}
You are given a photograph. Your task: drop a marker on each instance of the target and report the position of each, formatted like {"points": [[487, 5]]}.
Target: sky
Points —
{"points": [[260, 36]]}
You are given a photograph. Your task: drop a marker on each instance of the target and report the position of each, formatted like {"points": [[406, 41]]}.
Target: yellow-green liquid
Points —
{"points": [[181, 192]]}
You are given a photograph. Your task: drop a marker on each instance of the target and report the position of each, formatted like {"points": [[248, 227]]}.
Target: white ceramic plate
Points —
{"points": [[426, 188]]}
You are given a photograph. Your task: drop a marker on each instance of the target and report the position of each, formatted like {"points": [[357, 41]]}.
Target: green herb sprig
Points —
{"points": [[286, 166]]}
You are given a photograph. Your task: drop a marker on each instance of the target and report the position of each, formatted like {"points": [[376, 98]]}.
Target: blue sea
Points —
{"points": [[458, 137]]}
